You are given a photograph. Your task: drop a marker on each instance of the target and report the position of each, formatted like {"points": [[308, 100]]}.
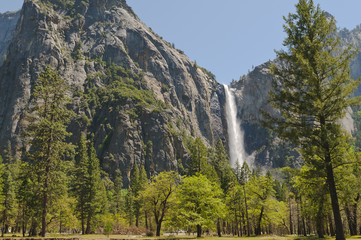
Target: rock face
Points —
{"points": [[252, 97], [252, 92], [8, 22], [87, 40]]}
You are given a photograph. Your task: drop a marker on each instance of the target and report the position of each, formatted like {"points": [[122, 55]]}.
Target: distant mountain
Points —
{"points": [[131, 89]]}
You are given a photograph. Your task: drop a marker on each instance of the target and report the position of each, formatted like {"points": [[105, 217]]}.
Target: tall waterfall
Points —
{"points": [[235, 134]]}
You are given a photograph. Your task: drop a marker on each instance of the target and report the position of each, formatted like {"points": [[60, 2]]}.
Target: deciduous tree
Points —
{"points": [[158, 196]]}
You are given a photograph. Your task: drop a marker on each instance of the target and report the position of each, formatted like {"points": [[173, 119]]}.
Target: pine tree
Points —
{"points": [[198, 159], [87, 186], [9, 199], [243, 179], [138, 180], [313, 88], [118, 185], [96, 196], [220, 161], [48, 133], [79, 184]]}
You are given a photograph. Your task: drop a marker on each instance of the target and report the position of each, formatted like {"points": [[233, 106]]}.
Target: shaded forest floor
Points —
{"points": [[179, 237]]}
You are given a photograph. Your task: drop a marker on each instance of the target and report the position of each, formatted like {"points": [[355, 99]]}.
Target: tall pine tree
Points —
{"points": [[313, 88], [47, 130]]}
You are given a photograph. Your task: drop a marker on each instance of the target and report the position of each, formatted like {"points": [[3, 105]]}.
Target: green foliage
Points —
{"points": [[312, 90], [200, 202], [220, 162], [199, 157], [122, 88], [87, 186], [108, 228], [77, 53], [9, 174], [260, 189], [48, 133], [138, 180], [158, 196]]}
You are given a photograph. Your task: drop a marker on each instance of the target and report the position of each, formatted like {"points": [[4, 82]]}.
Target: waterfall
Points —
{"points": [[235, 134]]}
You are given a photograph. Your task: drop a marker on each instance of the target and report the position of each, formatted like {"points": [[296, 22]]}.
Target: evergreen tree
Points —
{"points": [[313, 88], [118, 185], [135, 187], [79, 184], [9, 202], [149, 165], [87, 186], [96, 198], [220, 161], [47, 129], [243, 179], [199, 157]]}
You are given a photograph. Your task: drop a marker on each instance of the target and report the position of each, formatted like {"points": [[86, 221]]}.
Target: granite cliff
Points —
{"points": [[8, 22], [132, 91]]}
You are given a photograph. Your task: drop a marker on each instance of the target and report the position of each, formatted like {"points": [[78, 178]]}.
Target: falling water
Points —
{"points": [[235, 134]]}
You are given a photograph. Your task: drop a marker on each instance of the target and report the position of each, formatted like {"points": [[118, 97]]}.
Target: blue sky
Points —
{"points": [[227, 37]]}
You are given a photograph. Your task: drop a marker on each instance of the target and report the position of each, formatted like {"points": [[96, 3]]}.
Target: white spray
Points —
{"points": [[235, 134]]}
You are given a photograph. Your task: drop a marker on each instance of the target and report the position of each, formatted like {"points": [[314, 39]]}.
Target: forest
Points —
{"points": [[58, 186]]}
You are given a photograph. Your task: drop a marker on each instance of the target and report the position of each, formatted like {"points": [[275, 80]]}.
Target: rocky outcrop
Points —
{"points": [[82, 39], [8, 22]]}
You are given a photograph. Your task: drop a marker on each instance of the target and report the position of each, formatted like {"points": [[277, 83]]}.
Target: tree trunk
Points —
{"points": [[350, 220], [24, 222], [334, 199], [3, 227], [332, 230], [302, 218], [60, 223], [199, 231], [240, 229], [291, 223], [319, 218], [159, 225], [355, 214], [146, 220], [219, 232], [236, 222], [340, 235], [245, 204], [137, 218], [33, 229], [82, 220], [88, 224], [45, 204], [258, 229]]}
